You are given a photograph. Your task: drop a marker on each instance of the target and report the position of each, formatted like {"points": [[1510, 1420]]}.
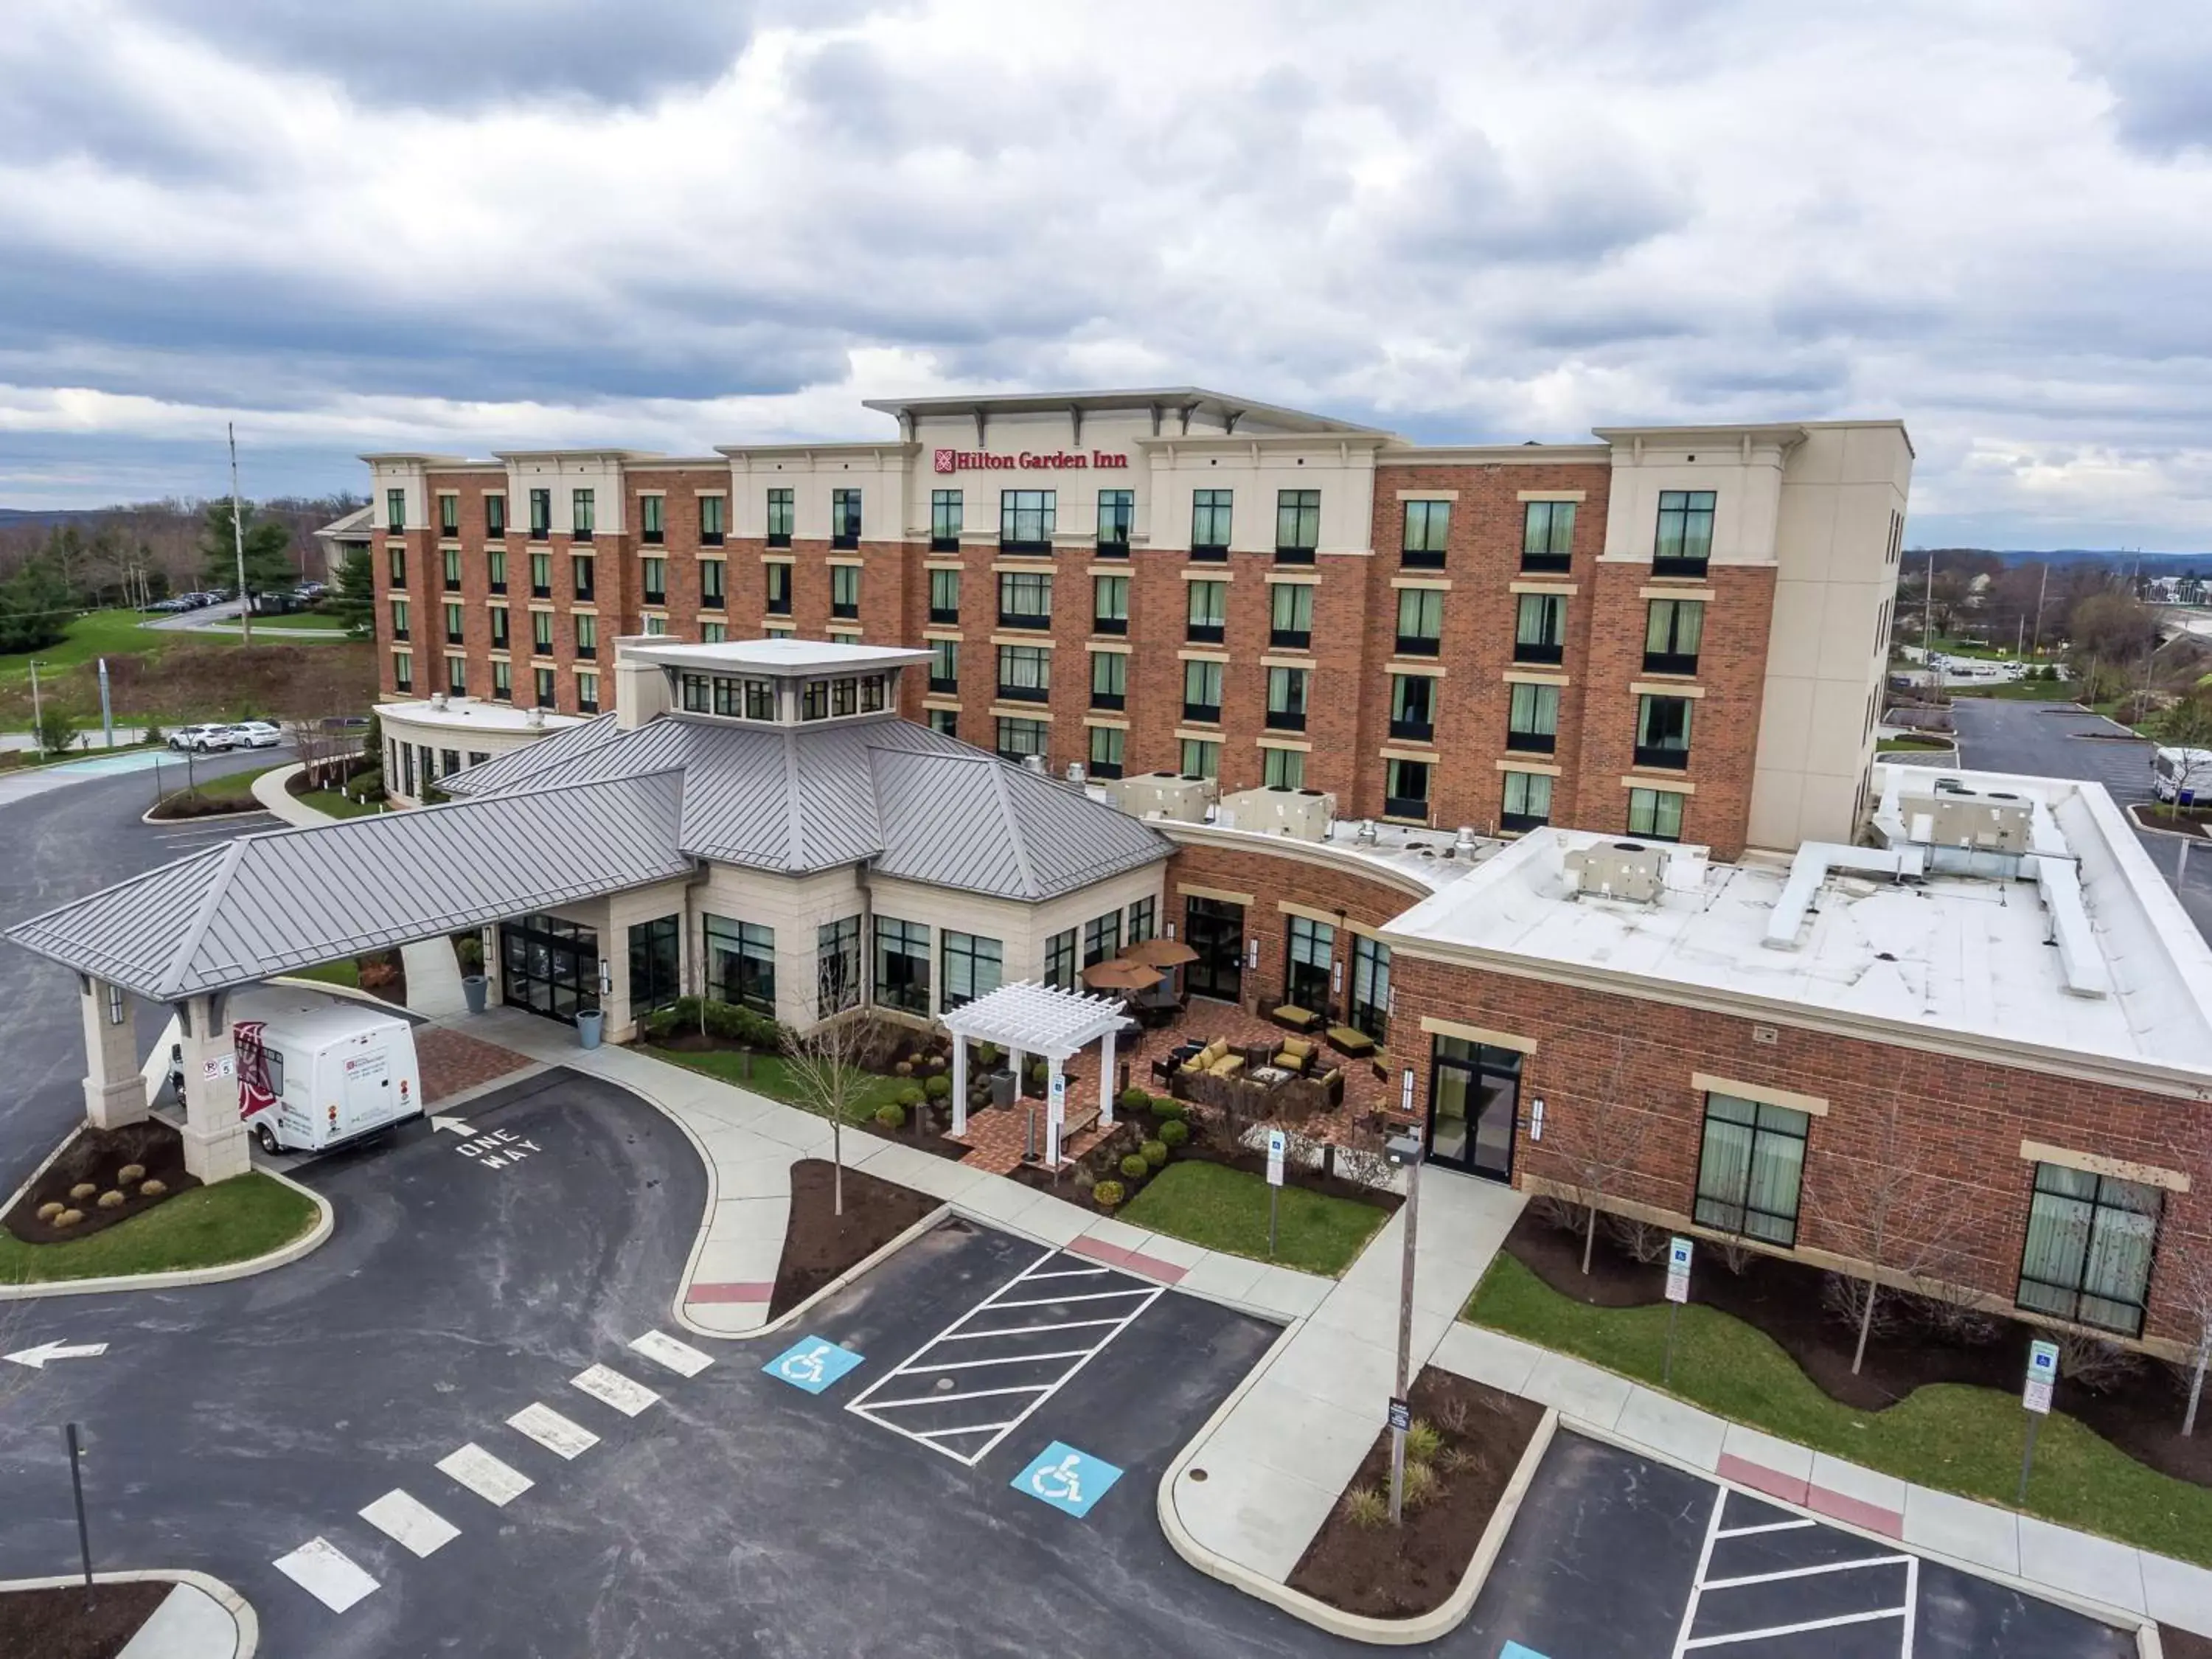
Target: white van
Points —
{"points": [[2172, 770], [313, 1075]]}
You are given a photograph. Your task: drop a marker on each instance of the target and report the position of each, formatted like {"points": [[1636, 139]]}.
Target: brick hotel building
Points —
{"points": [[1674, 632]]}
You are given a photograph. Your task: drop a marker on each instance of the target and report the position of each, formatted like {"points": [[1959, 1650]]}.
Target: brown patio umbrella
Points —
{"points": [[1120, 975], [1160, 953]]}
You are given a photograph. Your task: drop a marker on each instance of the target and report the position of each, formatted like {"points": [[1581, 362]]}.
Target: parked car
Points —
{"points": [[256, 734], [204, 738]]}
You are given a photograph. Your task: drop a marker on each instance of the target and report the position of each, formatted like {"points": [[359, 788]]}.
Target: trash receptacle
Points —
{"points": [[472, 990], [587, 1027], [1002, 1088]]}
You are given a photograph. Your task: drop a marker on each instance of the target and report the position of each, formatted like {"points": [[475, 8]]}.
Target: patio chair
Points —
{"points": [[1295, 1055], [1351, 1042], [1292, 1017]]}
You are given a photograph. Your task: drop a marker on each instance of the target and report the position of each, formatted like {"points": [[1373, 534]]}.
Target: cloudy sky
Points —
{"points": [[460, 225]]}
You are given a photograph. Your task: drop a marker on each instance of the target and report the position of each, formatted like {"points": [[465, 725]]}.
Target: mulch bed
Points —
{"points": [[2182, 1644], [2141, 1415], [191, 804], [1383, 1572], [96, 1155], [1208, 1144], [818, 1244], [55, 1624], [925, 1136]]}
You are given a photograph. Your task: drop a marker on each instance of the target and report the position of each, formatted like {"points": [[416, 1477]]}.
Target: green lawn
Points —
{"points": [[771, 1076], [1225, 1209], [316, 620], [95, 634], [2020, 690], [232, 788], [205, 1227], [345, 972], [330, 802], [1951, 1437], [1910, 745]]}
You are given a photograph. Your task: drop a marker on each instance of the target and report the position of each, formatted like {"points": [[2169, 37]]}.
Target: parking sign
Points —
{"points": [[1678, 1269], [2041, 1374], [1278, 1145]]}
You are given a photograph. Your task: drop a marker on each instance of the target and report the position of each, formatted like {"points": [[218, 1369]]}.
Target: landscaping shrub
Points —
{"points": [[111, 1200], [129, 1175], [82, 1190], [890, 1114], [1167, 1108], [1423, 1440], [1134, 1166], [1174, 1133], [69, 1217], [723, 1019], [1366, 1507], [937, 1085], [1133, 1099], [988, 1054], [48, 1212], [153, 1189], [1423, 1485], [904, 1068], [1153, 1152], [1106, 1194], [910, 1095], [468, 950]]}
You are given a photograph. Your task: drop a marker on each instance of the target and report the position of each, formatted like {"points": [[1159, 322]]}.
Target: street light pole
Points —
{"points": [[38, 718], [238, 544], [1405, 1151]]}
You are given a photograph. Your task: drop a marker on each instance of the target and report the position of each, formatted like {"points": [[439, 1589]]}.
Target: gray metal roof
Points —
{"points": [[512, 769], [288, 898]]}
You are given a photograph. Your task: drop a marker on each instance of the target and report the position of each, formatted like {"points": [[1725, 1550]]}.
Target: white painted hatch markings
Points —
{"points": [[1703, 1585], [678, 1357], [485, 1475], [552, 1430], [615, 1389], [327, 1573], [413, 1523], [963, 1400]]}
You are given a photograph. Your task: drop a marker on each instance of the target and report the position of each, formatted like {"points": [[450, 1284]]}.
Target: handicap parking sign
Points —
{"points": [[1067, 1478], [812, 1363]]}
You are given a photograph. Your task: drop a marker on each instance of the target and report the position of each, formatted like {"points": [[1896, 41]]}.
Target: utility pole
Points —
{"points": [[238, 542], [2041, 588], [38, 718]]}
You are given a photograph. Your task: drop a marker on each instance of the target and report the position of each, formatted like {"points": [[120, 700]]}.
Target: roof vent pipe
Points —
{"points": [[535, 720], [1366, 837]]}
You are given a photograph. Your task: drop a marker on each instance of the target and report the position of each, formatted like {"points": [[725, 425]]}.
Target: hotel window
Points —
{"points": [[453, 616], [399, 619], [1539, 628], [814, 701], [902, 965], [1026, 519], [1412, 707], [1283, 769], [1406, 789], [944, 667], [495, 567], [1024, 598], [1286, 699], [1547, 536], [1108, 746], [713, 633], [1109, 604], [872, 693], [844, 696], [1749, 1168], [541, 576], [654, 573], [584, 578], [1421, 542], [945, 722], [844, 518], [1101, 938], [1655, 814], [500, 615], [452, 561], [945, 511], [1144, 920], [760, 700], [395, 561], [495, 515], [1110, 679], [1370, 1006], [778, 578], [449, 516], [1059, 960], [653, 518], [712, 577], [1206, 611], [698, 693], [1201, 691], [2090, 1242], [1527, 800], [782, 515], [1663, 732], [1673, 630], [1018, 738], [1025, 672], [1685, 543], [945, 597], [973, 965], [542, 684], [1117, 517], [741, 963], [1209, 523], [541, 633], [395, 510], [587, 636], [582, 518], [1290, 615], [1420, 622], [402, 670], [1201, 758], [656, 626], [1308, 952], [541, 514], [1297, 526], [503, 680], [845, 591], [836, 966], [714, 520], [1532, 719], [449, 762], [587, 690]]}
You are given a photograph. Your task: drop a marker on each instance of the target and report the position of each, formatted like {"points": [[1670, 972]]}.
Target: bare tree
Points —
{"points": [[826, 1076], [1604, 1146]]}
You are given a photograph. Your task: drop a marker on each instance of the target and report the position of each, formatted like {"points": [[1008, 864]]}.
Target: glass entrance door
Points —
{"points": [[1215, 930], [1475, 1096], [548, 966], [654, 970]]}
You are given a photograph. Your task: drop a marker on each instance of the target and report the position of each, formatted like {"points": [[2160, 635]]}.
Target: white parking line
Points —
{"points": [[495, 1482], [415, 1524], [1806, 1572], [1772, 1630], [1770, 1526], [327, 1573], [973, 1394], [550, 1430], [1701, 1584], [678, 1357], [615, 1389]]}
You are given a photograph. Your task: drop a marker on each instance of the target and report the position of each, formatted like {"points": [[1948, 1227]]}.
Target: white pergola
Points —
{"points": [[1027, 1018]]}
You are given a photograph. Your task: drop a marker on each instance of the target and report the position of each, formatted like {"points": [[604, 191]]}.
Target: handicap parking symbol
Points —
{"points": [[1067, 1478], [812, 1363]]}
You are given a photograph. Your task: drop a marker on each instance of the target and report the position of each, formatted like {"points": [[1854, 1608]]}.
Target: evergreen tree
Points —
{"points": [[355, 602], [34, 608], [269, 563]]}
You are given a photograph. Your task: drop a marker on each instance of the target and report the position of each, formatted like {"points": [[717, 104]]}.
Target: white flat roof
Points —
{"points": [[473, 715], [785, 656], [1965, 957]]}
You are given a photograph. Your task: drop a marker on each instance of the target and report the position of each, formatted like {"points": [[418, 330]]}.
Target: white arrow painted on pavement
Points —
{"points": [[36, 1358], [452, 1123]]}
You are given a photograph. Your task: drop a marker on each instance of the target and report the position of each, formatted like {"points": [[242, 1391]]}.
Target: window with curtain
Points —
{"points": [[1201, 690], [714, 519], [582, 514], [1286, 699], [1532, 718], [1684, 540], [1527, 800], [1309, 948], [653, 518], [1539, 630], [1209, 522], [1672, 629], [741, 963], [836, 966], [1655, 814], [1110, 679], [2090, 1241], [1117, 516], [1025, 672], [945, 515], [1027, 518], [1370, 986], [845, 526], [1298, 524], [944, 597], [1109, 744], [1109, 604], [711, 591], [1420, 621], [1019, 738], [1283, 769], [944, 665], [845, 590], [495, 515], [1412, 707], [1025, 598], [1750, 1168], [972, 966], [1206, 611], [1406, 789], [1428, 524], [1662, 731], [1201, 758], [1547, 536], [1290, 615], [902, 965]]}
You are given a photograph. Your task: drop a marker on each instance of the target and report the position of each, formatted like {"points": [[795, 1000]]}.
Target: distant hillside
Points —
{"points": [[2163, 564]]}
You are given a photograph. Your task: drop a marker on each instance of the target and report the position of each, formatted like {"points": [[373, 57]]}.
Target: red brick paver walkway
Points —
{"points": [[451, 1062]]}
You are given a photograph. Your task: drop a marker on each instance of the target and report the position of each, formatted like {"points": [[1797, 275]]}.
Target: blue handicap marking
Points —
{"points": [[1067, 1478], [812, 1363], [1515, 1650]]}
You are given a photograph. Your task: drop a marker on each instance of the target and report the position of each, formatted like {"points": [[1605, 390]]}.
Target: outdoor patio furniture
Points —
{"points": [[1214, 1061], [1295, 1056], [1271, 1077], [1350, 1040], [1292, 1017]]}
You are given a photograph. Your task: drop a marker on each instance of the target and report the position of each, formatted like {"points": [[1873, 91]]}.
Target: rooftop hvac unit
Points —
{"points": [[1304, 813], [1617, 869], [1170, 794], [1980, 821]]}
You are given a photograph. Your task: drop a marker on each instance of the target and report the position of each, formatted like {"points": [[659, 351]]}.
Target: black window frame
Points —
{"points": [[583, 577], [747, 978], [583, 512], [1423, 529], [1668, 657], [495, 515], [1204, 669], [1114, 667], [1214, 629], [2067, 1301], [1035, 584], [1419, 726], [1420, 645], [1734, 1215], [1398, 770], [944, 585], [652, 520], [653, 593], [1650, 825], [1027, 519], [1297, 526], [1037, 731], [947, 513], [541, 515], [845, 606], [1682, 540], [1212, 514], [962, 951], [1031, 668], [1100, 621], [845, 517], [1662, 731], [840, 967], [910, 990], [1117, 521], [715, 508], [782, 515], [1115, 738], [1515, 820], [1547, 537], [945, 653], [1539, 627], [1289, 635], [1530, 740], [713, 584], [1294, 686], [775, 575]]}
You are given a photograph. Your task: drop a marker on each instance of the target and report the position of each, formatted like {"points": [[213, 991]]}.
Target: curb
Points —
{"points": [[2154, 829], [240, 1609]]}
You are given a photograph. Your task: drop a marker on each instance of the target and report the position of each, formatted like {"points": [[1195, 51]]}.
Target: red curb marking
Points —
{"points": [[1098, 1250], [1857, 1511], [744, 1293], [1789, 1489], [1135, 1260]]}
